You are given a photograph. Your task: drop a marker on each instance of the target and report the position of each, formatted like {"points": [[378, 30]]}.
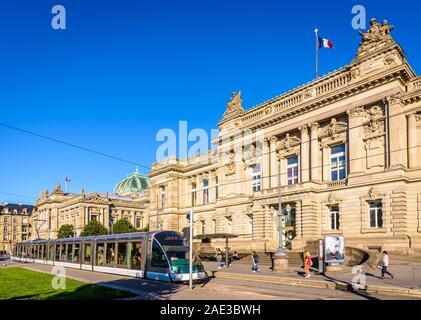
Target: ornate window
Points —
{"points": [[257, 178], [337, 161], [193, 194], [205, 191], [334, 218], [375, 214], [292, 170], [138, 222]]}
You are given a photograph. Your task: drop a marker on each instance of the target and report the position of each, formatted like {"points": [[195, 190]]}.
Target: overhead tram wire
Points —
{"points": [[74, 146], [150, 168]]}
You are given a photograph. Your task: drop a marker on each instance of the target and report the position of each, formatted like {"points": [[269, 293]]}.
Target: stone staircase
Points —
{"points": [[294, 259]]}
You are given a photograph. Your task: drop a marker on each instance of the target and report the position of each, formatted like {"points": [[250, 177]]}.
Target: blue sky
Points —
{"points": [[124, 69]]}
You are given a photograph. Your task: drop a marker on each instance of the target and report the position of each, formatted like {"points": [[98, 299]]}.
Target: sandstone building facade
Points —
{"points": [[344, 152], [130, 200], [14, 224]]}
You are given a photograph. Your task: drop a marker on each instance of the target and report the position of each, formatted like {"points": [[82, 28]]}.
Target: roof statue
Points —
{"points": [[377, 35], [235, 105]]}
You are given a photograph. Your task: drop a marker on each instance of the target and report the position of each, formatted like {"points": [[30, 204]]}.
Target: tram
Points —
{"points": [[159, 255]]}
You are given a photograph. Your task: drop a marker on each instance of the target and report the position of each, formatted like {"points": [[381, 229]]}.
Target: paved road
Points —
{"points": [[213, 289]]}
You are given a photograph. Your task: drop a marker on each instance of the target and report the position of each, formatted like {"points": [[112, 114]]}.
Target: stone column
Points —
{"points": [[355, 142], [397, 133], [412, 141], [315, 152], [273, 163], [305, 154], [266, 164], [326, 163]]}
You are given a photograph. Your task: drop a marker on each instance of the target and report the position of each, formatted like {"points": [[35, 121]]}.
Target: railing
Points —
{"points": [[335, 184], [416, 84], [301, 95]]}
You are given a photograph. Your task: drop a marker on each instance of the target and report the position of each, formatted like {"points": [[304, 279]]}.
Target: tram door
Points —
{"points": [[157, 264]]}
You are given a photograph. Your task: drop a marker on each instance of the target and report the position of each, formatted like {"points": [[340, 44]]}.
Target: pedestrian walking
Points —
{"points": [[218, 257], [384, 264], [308, 263], [255, 261]]}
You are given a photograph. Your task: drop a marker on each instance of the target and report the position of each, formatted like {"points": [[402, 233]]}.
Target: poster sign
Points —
{"points": [[334, 249]]}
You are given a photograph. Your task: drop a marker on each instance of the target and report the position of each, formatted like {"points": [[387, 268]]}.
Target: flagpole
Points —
{"points": [[66, 184], [317, 53]]}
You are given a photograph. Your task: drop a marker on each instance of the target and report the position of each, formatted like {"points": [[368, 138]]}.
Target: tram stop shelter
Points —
{"points": [[225, 236]]}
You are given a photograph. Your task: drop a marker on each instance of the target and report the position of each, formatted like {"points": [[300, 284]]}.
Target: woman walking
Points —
{"points": [[308, 263]]}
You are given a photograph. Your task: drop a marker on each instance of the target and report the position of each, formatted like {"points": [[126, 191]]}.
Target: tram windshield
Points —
{"points": [[177, 252]]}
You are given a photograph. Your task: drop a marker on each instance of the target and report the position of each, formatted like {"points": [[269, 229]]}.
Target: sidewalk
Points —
{"points": [[407, 274]]}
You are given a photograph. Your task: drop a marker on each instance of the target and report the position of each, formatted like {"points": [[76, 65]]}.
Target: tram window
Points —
{"points": [[100, 254], [43, 251], [63, 252], [58, 252], [135, 249], [69, 252], [87, 253], [122, 254], [158, 256], [110, 253], [76, 248], [50, 252]]}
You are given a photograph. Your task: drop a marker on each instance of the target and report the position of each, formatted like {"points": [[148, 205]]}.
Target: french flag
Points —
{"points": [[325, 43]]}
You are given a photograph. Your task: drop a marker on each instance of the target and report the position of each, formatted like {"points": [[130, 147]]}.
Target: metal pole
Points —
{"points": [[281, 251], [191, 251], [317, 53]]}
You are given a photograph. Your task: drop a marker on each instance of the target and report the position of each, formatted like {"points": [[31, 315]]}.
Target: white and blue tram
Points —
{"points": [[160, 255]]}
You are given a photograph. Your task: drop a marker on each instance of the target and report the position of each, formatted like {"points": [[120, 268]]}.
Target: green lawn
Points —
{"points": [[23, 284]]}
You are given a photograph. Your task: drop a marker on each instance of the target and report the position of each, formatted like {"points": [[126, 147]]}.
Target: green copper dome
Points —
{"points": [[135, 182]]}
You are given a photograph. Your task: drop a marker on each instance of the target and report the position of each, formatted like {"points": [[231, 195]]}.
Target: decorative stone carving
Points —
{"points": [[376, 113], [332, 200], [235, 105], [273, 140], [308, 94], [314, 126], [250, 153], [230, 168], [57, 189], [396, 98], [373, 194], [355, 73], [288, 142], [389, 59], [268, 110], [334, 128], [376, 36], [358, 112], [303, 130]]}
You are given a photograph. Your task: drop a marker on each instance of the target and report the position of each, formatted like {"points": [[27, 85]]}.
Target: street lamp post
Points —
{"points": [[280, 260], [191, 250]]}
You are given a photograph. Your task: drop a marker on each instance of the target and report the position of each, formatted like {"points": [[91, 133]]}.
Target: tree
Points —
{"points": [[146, 229], [93, 228], [123, 226], [66, 231]]}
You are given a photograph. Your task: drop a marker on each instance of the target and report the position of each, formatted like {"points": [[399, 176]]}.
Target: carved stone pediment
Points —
{"points": [[372, 195], [333, 129], [377, 36], [288, 143], [332, 200], [95, 198]]}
